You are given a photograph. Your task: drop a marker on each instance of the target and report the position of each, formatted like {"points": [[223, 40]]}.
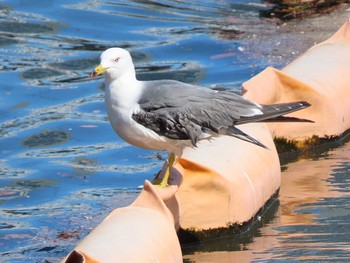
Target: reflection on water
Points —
{"points": [[62, 168]]}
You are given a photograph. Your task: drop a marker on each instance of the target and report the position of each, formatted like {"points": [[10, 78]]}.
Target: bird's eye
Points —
{"points": [[117, 59]]}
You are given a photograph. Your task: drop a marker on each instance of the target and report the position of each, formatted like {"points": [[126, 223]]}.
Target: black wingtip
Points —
{"points": [[288, 119], [235, 132]]}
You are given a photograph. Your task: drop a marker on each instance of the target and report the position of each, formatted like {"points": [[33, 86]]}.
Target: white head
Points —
{"points": [[115, 62]]}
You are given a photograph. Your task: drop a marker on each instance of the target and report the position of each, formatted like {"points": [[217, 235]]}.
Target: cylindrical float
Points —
{"points": [[321, 77]]}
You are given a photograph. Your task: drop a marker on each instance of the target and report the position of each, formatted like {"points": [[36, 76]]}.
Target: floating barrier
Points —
{"points": [[226, 181], [321, 77], [141, 232]]}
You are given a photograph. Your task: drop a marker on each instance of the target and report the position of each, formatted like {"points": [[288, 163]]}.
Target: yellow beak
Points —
{"points": [[98, 71]]}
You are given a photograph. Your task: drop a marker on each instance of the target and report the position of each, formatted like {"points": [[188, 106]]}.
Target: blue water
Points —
{"points": [[62, 168]]}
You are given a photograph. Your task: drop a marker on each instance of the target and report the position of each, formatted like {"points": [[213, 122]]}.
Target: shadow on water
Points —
{"points": [[62, 168]]}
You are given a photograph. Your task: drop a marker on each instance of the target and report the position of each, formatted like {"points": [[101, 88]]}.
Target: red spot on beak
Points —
{"points": [[93, 74]]}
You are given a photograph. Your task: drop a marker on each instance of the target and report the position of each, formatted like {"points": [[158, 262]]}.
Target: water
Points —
{"points": [[62, 168]]}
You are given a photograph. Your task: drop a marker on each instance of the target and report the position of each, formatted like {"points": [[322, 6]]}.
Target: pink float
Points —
{"points": [[226, 181], [321, 77], [141, 232]]}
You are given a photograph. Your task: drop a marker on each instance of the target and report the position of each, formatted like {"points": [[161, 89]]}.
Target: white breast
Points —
{"points": [[121, 104]]}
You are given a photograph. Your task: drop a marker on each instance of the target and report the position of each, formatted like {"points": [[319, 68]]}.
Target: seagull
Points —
{"points": [[170, 115]]}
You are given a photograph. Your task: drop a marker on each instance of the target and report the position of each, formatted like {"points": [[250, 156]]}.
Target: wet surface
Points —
{"points": [[62, 168]]}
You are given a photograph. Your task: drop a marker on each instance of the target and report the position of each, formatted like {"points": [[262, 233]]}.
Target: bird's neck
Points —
{"points": [[124, 91]]}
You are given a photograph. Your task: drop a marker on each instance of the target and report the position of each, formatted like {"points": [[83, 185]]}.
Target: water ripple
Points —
{"points": [[9, 172], [123, 169], [71, 151], [59, 112]]}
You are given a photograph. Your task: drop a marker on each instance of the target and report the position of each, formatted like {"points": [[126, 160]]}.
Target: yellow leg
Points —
{"points": [[164, 182]]}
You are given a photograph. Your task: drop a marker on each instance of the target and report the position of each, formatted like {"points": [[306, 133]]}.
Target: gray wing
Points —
{"points": [[183, 111]]}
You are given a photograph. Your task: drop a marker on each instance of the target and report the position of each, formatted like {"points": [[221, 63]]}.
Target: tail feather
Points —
{"points": [[271, 113], [275, 112]]}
